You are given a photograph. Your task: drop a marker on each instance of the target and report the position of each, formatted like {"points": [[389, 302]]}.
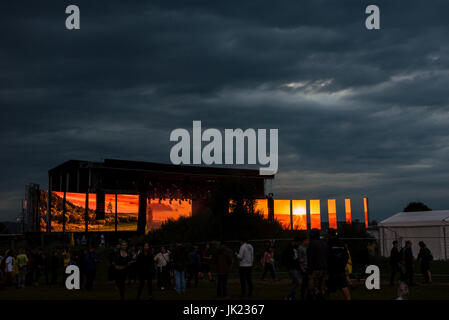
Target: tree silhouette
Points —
{"points": [[416, 206]]}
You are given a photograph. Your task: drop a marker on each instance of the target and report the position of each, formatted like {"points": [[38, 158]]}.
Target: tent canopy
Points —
{"points": [[417, 219]]}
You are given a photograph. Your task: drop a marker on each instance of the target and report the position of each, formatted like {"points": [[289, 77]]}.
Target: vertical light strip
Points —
{"points": [[299, 214], [315, 218], [348, 210], [365, 210], [282, 213], [332, 211]]}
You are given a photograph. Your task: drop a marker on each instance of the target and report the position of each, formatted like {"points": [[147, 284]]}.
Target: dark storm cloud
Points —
{"points": [[358, 112]]}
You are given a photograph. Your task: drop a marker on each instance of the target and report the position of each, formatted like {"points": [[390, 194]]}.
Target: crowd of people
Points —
{"points": [[317, 267], [31, 267], [402, 262]]}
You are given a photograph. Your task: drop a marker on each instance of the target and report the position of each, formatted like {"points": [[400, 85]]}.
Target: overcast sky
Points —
{"points": [[359, 112]]}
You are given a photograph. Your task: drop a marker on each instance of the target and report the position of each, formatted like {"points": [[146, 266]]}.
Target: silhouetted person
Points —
{"points": [[395, 261], [224, 262], [425, 257], [145, 270], [408, 261], [206, 258], [303, 271], [246, 259], [91, 259], [194, 266], [121, 263], [162, 264], [317, 253], [180, 261], [55, 265], [290, 260], [268, 263], [337, 260]]}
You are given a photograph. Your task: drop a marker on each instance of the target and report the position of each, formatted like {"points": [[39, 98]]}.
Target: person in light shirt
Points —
{"points": [[246, 258]]}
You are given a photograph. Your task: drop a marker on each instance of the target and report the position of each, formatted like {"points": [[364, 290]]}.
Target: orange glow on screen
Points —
{"points": [[299, 214], [365, 209], [348, 210], [315, 218], [261, 206], [332, 211], [161, 212], [282, 212]]}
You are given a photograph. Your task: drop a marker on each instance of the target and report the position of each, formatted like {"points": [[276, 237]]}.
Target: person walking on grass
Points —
{"points": [[302, 260], [22, 263], [425, 258], [317, 265], [194, 267], [180, 261], [206, 258], [162, 260], [145, 270], [91, 260], [268, 264], [224, 262], [408, 261], [245, 257], [337, 261], [122, 262], [395, 262], [290, 260]]}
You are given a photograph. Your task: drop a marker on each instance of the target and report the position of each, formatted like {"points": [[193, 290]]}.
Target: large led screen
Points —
{"points": [[348, 210], [332, 213], [299, 214], [164, 210], [282, 212], [315, 214]]}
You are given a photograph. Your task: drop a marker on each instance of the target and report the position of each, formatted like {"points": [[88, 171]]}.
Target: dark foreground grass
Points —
{"points": [[263, 290]]}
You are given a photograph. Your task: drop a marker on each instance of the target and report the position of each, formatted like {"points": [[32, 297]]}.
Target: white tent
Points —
{"points": [[431, 227]]}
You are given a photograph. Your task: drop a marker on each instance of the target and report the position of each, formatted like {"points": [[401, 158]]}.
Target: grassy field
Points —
{"points": [[263, 290]]}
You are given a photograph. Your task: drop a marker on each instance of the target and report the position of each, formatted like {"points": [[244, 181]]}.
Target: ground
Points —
{"points": [[263, 290]]}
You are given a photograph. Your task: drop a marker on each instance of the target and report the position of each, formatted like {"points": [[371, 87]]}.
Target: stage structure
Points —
{"points": [[116, 195]]}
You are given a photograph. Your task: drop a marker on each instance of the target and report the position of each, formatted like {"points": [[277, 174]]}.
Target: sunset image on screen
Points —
{"points": [[127, 212], [75, 211], [315, 217], [332, 212], [261, 206], [299, 214], [165, 210], [348, 210], [282, 212]]}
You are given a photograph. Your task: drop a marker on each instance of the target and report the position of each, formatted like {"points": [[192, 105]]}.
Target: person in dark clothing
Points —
{"points": [[337, 260], [224, 262], [206, 258], [395, 261], [180, 261], [268, 263], [290, 260], [121, 263], [408, 262], [111, 257], [91, 259], [302, 259], [145, 270], [363, 259], [46, 267], [54, 266], [317, 254], [80, 260], [425, 257], [194, 266]]}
